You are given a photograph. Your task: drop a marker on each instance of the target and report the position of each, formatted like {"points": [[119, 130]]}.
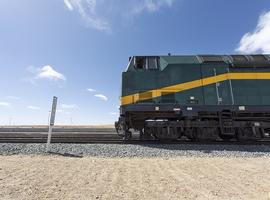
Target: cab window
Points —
{"points": [[152, 63], [140, 63], [146, 63]]}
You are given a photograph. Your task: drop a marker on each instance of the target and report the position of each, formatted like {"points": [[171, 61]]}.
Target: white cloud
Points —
{"points": [[257, 41], [100, 14], [68, 4], [101, 96], [91, 90], [47, 72], [150, 5], [13, 97], [33, 107], [87, 10], [69, 106], [4, 104]]}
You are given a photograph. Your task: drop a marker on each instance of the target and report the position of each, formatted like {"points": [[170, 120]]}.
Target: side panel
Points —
{"points": [[175, 74], [141, 81], [219, 93], [246, 91], [164, 86]]}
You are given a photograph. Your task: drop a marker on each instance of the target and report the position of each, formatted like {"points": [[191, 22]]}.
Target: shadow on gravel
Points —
{"points": [[209, 148], [66, 154]]}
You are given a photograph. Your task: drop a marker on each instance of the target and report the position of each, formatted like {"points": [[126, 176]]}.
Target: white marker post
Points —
{"points": [[52, 119]]}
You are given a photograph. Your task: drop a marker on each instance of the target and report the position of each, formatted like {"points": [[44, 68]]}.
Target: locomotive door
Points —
{"points": [[220, 92]]}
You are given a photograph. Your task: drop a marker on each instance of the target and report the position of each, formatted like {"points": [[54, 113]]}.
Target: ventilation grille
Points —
{"points": [[211, 58], [239, 58], [259, 58], [254, 61]]}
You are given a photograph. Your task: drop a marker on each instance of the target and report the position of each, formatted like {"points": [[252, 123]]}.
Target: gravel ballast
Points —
{"points": [[132, 150]]}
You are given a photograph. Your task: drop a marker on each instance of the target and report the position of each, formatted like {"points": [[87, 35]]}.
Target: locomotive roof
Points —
{"points": [[215, 58], [252, 60]]}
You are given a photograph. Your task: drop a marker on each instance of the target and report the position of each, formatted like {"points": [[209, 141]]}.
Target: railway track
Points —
{"points": [[111, 139], [90, 135]]}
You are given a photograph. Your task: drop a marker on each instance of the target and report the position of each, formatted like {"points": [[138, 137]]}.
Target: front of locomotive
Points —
{"points": [[149, 95], [138, 81]]}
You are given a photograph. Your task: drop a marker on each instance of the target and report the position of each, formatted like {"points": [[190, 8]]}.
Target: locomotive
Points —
{"points": [[199, 97]]}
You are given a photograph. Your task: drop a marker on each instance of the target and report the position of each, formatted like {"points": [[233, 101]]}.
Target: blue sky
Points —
{"points": [[77, 49]]}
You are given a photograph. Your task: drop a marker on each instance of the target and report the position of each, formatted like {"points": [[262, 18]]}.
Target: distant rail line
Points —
{"points": [[38, 134]]}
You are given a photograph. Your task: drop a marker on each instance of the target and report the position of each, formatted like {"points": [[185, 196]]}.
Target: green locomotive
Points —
{"points": [[204, 97]]}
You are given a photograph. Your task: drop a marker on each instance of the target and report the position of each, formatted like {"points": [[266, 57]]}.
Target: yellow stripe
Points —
{"points": [[194, 84]]}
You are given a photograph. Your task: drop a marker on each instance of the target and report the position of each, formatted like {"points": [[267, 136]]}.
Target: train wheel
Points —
{"points": [[127, 136], [247, 134], [198, 136], [190, 133], [226, 137], [145, 134], [242, 134], [206, 134], [141, 135]]}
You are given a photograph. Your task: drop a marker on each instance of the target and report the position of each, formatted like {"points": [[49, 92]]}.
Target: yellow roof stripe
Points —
{"points": [[194, 84]]}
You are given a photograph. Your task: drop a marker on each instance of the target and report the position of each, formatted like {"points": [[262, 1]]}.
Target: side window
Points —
{"points": [[147, 63], [140, 63], [152, 63]]}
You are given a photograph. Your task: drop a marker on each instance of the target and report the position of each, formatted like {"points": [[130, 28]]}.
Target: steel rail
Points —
{"points": [[91, 140], [92, 135]]}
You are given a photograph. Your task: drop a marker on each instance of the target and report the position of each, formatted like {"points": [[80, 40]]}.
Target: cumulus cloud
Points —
{"points": [[91, 90], [101, 96], [100, 14], [257, 41], [4, 104], [33, 107], [69, 106], [47, 72]]}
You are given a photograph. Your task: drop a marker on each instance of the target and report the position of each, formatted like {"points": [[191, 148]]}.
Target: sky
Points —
{"points": [[77, 49]]}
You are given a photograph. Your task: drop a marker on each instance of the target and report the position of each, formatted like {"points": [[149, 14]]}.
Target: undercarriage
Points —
{"points": [[196, 123]]}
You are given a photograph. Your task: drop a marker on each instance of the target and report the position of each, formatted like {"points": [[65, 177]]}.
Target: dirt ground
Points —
{"points": [[57, 177]]}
